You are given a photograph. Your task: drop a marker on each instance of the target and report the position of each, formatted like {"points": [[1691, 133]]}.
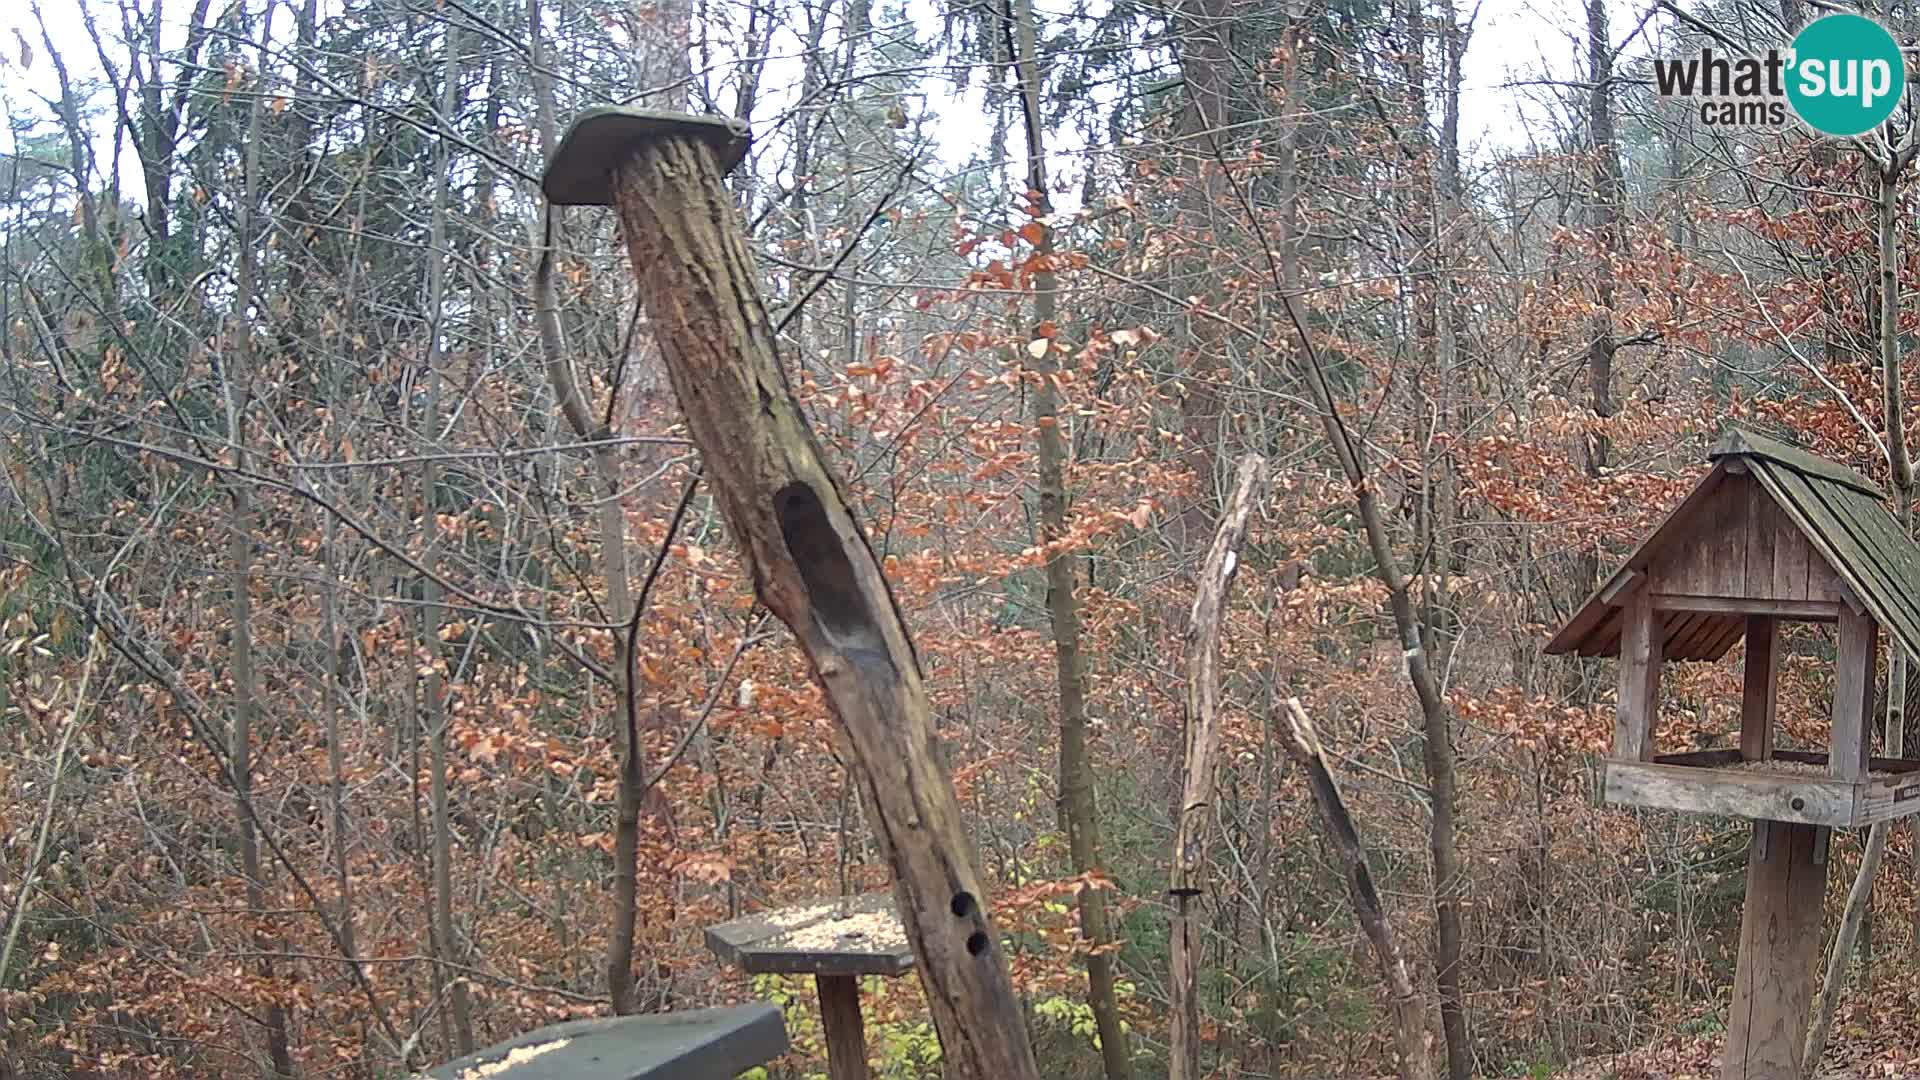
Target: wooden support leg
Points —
{"points": [[1757, 688], [846, 1031], [1641, 652], [1779, 950], [1853, 696]]}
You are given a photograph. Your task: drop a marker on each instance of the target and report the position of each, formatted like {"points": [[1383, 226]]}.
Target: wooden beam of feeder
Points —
{"points": [[843, 1025], [813, 569]]}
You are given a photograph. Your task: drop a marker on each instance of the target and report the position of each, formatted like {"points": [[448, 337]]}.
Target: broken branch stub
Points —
{"points": [[813, 569]]}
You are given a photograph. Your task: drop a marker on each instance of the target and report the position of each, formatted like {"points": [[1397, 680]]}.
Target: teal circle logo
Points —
{"points": [[1846, 75]]}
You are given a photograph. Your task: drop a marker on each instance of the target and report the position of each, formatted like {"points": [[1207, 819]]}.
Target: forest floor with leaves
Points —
{"points": [[1875, 1037]]}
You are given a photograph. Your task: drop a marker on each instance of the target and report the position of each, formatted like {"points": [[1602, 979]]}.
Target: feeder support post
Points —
{"points": [[1779, 953], [1638, 704], [809, 558], [843, 1026]]}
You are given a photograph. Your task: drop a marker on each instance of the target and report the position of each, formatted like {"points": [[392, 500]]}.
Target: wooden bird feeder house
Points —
{"points": [[1772, 534]]}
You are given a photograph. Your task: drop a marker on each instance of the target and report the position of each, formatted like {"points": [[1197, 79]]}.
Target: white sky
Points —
{"points": [[1516, 44]]}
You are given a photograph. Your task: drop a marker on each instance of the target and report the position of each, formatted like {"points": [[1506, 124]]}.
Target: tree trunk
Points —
{"points": [[336, 758], [447, 951], [1196, 817], [1436, 717], [614, 569], [1079, 802], [812, 567], [1437, 745], [1860, 894], [239, 376], [1604, 207]]}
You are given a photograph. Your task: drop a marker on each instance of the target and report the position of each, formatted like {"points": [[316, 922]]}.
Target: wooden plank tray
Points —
{"points": [[858, 935], [1720, 782]]}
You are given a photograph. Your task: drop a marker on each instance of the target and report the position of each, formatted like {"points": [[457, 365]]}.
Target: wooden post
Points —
{"points": [[845, 1029], [1639, 698], [809, 558], [1196, 819], [1779, 946], [1757, 687], [1852, 741]]}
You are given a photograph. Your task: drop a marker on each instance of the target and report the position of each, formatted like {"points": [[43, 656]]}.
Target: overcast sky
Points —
{"points": [[1517, 46]]}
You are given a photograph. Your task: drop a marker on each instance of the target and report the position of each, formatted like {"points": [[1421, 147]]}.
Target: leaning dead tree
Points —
{"points": [[810, 560], [1195, 826], [1412, 1042]]}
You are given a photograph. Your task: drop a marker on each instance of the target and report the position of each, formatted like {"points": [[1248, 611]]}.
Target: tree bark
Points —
{"points": [[1079, 800], [812, 567], [1196, 817]]}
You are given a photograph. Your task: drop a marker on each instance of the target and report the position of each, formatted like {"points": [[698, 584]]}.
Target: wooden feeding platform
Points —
{"points": [[700, 1044], [1771, 535], [836, 941], [1724, 783]]}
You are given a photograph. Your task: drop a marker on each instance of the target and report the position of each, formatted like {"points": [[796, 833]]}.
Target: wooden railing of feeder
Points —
{"points": [[1771, 535], [809, 557]]}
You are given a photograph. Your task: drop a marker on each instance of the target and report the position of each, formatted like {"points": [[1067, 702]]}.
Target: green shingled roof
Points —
{"points": [[1846, 519], [1842, 515]]}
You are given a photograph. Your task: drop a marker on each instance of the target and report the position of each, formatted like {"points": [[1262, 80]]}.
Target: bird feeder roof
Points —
{"points": [[581, 172], [1841, 515]]}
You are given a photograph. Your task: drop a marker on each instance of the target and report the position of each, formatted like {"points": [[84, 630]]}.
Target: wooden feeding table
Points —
{"points": [[834, 940], [701, 1044], [1771, 534]]}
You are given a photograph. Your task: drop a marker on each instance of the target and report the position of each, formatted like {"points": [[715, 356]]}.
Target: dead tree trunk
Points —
{"points": [[810, 560], [1202, 743], [1410, 1036]]}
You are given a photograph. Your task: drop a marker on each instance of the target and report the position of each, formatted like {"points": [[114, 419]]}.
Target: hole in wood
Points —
{"points": [[963, 904], [840, 611], [977, 942], [1799, 803]]}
